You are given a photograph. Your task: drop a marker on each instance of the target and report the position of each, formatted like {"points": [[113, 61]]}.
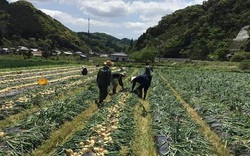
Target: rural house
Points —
{"points": [[4, 51], [119, 57], [36, 52], [67, 53]]}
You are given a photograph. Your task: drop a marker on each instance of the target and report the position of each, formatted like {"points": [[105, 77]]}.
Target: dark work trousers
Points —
{"points": [[114, 83], [150, 79], [103, 92], [139, 89]]}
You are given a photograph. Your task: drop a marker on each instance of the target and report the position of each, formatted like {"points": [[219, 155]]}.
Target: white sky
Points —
{"points": [[119, 18]]}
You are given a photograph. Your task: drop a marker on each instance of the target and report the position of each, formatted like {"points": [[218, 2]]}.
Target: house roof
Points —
{"points": [[83, 56], [119, 54], [68, 53], [104, 55], [23, 48], [78, 52]]}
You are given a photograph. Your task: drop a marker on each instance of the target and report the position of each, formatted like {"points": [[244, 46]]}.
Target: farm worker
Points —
{"points": [[144, 84], [148, 72], [84, 70], [117, 77], [103, 80]]}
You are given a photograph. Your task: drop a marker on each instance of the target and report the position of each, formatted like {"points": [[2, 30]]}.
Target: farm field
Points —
{"points": [[187, 112]]}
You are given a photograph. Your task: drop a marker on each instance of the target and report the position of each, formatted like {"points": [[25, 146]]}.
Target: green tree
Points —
{"points": [[45, 44], [247, 47], [146, 54], [3, 2], [46, 54], [220, 53], [197, 30], [240, 56], [1, 38], [131, 45], [96, 49], [27, 54], [136, 55], [149, 53], [32, 42]]}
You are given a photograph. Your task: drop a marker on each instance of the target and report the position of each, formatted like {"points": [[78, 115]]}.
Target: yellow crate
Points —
{"points": [[42, 81]]}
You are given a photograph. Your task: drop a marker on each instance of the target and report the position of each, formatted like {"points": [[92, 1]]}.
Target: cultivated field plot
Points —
{"points": [[186, 113]]}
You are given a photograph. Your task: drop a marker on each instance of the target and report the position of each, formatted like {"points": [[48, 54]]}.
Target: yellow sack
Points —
{"points": [[42, 81]]}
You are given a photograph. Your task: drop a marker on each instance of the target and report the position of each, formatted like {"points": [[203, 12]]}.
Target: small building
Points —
{"points": [[104, 55], [83, 57], [78, 52], [93, 53], [36, 52], [4, 51], [119, 57], [22, 49]]}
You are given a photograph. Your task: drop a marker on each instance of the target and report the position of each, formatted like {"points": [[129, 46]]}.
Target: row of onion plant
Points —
{"points": [[9, 89], [222, 99], [30, 132], [16, 72], [108, 132], [41, 94], [175, 131]]}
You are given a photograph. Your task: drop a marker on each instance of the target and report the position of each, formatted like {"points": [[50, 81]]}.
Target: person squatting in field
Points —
{"points": [[117, 77], [144, 84], [84, 70], [103, 81]]}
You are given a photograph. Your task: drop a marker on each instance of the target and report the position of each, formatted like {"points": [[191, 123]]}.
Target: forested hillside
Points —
{"points": [[100, 42], [21, 24], [199, 31]]}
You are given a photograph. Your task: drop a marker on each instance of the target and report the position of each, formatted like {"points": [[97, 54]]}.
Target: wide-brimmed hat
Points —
{"points": [[132, 78], [109, 63]]}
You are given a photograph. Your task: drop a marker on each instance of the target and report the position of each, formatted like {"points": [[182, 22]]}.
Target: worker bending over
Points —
{"points": [[117, 77], [144, 84]]}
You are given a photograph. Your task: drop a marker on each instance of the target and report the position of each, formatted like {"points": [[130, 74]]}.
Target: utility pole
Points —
{"points": [[88, 37], [88, 33]]}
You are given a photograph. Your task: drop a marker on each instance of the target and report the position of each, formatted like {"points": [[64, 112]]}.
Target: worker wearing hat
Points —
{"points": [[144, 84], [103, 80], [117, 76], [109, 63]]}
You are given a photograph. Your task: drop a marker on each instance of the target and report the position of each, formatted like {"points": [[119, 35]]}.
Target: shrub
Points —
{"points": [[240, 56], [220, 54], [245, 64]]}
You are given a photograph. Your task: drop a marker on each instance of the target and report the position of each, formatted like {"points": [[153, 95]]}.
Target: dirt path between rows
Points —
{"points": [[61, 135], [143, 144]]}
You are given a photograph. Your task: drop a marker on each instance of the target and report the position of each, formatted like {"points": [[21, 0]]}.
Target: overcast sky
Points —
{"points": [[119, 18]]}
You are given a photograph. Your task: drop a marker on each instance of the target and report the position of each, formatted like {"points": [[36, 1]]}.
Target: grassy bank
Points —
{"points": [[19, 61]]}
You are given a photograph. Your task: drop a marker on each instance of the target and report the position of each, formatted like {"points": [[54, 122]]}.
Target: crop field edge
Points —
{"points": [[219, 148]]}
